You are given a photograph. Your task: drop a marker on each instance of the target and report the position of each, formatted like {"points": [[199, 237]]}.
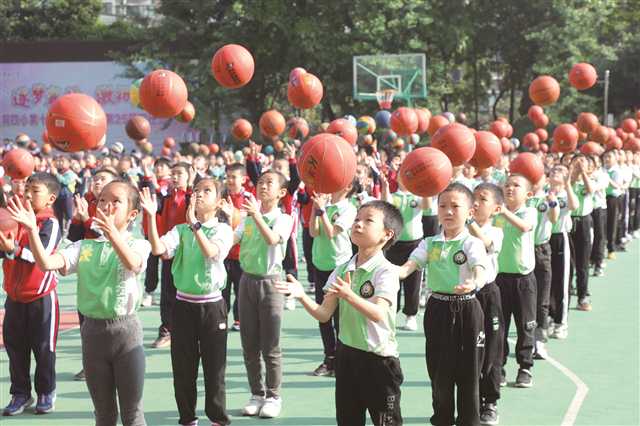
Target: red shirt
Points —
{"points": [[237, 200], [174, 210]]}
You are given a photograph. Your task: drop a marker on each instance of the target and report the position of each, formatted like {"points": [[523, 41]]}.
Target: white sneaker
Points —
{"points": [[561, 331], [541, 351], [253, 407], [271, 408], [289, 304], [147, 300], [423, 301], [410, 323], [636, 234]]}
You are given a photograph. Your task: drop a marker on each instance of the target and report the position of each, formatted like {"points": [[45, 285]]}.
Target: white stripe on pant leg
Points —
{"points": [[52, 325], [565, 278]]}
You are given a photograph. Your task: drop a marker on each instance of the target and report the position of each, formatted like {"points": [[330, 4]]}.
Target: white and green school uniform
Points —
{"points": [[377, 277], [410, 207], [327, 253], [518, 254], [106, 289], [615, 176], [543, 226], [198, 279], [449, 262], [495, 235], [600, 183], [499, 176], [563, 224], [585, 200], [360, 199], [256, 256], [468, 182]]}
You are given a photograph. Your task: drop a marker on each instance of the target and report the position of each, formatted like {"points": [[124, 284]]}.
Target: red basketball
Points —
{"points": [[344, 128], [46, 148], [76, 122], [241, 129], [425, 171], [534, 112], [632, 144], [544, 90], [544, 147], [528, 165], [18, 163], [187, 114], [509, 130], [600, 134], [622, 134], [138, 128], [298, 128], [506, 145], [163, 93], [456, 141], [296, 73], [7, 224], [305, 91], [327, 163], [169, 142], [541, 121], [565, 136], [587, 122], [488, 150], [404, 121], [629, 125], [278, 145], [530, 140], [232, 66], [613, 143], [435, 123], [424, 115], [272, 123], [165, 151], [590, 148], [214, 148], [45, 137], [500, 128], [583, 76], [543, 135]]}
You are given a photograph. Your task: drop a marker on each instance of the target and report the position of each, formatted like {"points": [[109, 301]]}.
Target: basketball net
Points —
{"points": [[385, 98]]}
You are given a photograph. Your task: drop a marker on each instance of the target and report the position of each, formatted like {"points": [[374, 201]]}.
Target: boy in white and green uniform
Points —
{"points": [[634, 197]]}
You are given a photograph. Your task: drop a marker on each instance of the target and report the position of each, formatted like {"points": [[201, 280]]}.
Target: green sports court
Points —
{"points": [[592, 378]]}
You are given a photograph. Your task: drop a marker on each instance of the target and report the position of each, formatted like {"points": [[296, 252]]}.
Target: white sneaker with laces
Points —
{"points": [[541, 351], [561, 331], [410, 324], [289, 304], [253, 407], [271, 408], [147, 300]]}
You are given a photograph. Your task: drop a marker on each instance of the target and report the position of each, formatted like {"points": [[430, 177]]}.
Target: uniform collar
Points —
{"points": [[340, 203], [367, 266], [210, 223], [461, 236]]}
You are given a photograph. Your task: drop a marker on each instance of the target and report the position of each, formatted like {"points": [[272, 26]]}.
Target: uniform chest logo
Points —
{"points": [[542, 207], [367, 290], [413, 204], [562, 203], [335, 217], [459, 257], [85, 254]]}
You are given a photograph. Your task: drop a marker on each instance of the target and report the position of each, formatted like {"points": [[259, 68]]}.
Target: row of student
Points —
{"points": [[272, 400]]}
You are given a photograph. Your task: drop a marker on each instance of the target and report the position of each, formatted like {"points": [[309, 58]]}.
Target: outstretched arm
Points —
{"points": [[321, 312]]}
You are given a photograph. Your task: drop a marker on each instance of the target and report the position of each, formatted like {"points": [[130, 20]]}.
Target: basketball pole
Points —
{"points": [[606, 98]]}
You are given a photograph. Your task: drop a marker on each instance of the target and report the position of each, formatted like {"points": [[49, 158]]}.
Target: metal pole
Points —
{"points": [[606, 98]]}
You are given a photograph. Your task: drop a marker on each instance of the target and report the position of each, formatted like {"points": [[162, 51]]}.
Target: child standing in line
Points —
{"points": [[198, 249], [453, 321], [109, 294], [515, 278], [599, 216], [368, 374], [331, 221], [614, 193], [488, 199], [31, 308], [263, 236]]}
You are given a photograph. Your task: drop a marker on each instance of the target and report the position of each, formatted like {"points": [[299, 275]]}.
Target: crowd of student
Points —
{"points": [[220, 235]]}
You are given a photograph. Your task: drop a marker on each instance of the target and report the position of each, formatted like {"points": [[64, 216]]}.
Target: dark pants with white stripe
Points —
{"points": [[234, 273], [560, 264], [31, 327], [398, 254], [599, 217], [581, 238], [613, 210], [167, 297], [542, 272], [199, 332], [489, 298]]}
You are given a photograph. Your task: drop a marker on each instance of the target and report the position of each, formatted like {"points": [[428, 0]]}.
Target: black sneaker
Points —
{"points": [[503, 378], [524, 379], [489, 414], [324, 370]]}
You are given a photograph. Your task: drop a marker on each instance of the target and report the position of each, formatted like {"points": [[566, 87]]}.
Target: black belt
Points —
{"points": [[454, 297]]}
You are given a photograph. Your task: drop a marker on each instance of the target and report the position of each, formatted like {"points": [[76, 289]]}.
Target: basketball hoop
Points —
{"points": [[385, 98]]}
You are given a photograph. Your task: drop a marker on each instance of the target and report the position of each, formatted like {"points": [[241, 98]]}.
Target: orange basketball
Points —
{"points": [[544, 90], [138, 128], [456, 141], [530, 140], [278, 145], [327, 163], [600, 134], [534, 112], [425, 171], [488, 150], [305, 91], [7, 224], [613, 143], [629, 125], [543, 135], [46, 148], [18, 163], [541, 122], [544, 147], [165, 151], [232, 66], [424, 115], [163, 93], [583, 76], [528, 165], [187, 114], [590, 148], [404, 121], [435, 123], [500, 128], [272, 123], [632, 144], [214, 148], [565, 136], [298, 128], [398, 144], [241, 129], [344, 128], [506, 145], [587, 122], [76, 122], [169, 142]]}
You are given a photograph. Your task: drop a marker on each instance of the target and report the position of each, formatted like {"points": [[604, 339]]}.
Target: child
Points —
{"points": [[515, 278], [109, 294], [614, 196], [330, 224], [263, 235], [31, 308], [199, 323], [599, 216], [453, 321], [488, 200], [368, 374], [68, 180]]}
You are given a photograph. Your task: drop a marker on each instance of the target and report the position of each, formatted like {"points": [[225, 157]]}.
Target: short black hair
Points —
{"points": [[459, 188], [391, 218], [183, 165], [280, 156], [162, 160], [46, 179], [133, 196], [236, 167], [109, 170], [494, 189]]}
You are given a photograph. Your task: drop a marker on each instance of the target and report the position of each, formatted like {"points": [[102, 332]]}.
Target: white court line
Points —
{"points": [[578, 398]]}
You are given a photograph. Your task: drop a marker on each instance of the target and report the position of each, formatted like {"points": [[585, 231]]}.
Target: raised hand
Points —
{"points": [[22, 213], [105, 221], [320, 201], [251, 206], [290, 287], [226, 206], [342, 287], [80, 208], [148, 201], [466, 287], [7, 242], [191, 210]]}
